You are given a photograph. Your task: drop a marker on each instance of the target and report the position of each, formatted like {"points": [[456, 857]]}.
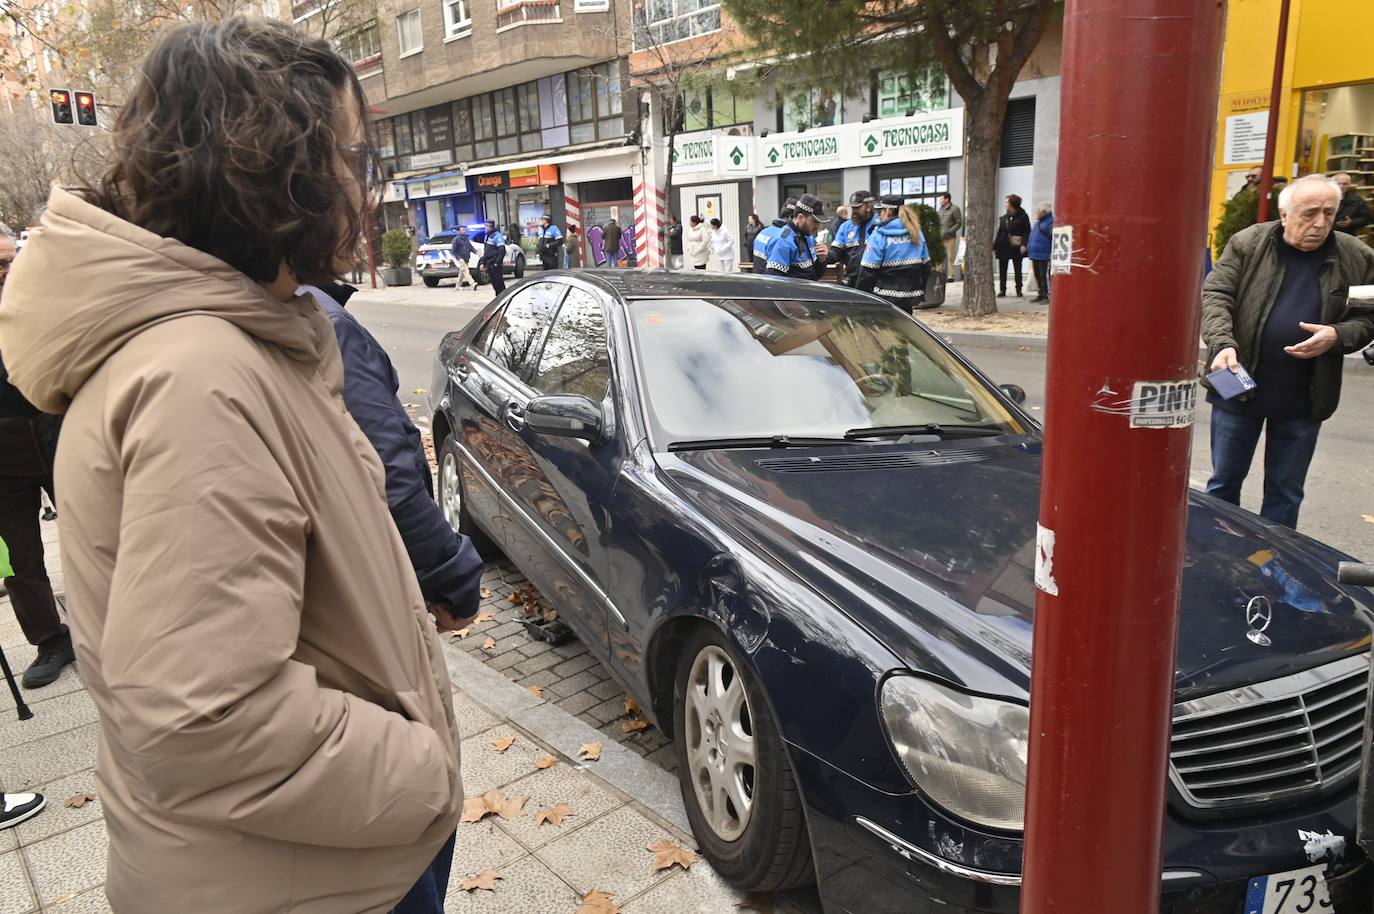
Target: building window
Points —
{"points": [[408, 31], [462, 130], [386, 139], [895, 94], [271, 9], [595, 103], [1018, 133], [483, 127], [716, 107], [807, 109], [404, 144], [507, 133], [527, 104], [456, 18], [666, 21], [303, 9], [419, 131], [361, 43]]}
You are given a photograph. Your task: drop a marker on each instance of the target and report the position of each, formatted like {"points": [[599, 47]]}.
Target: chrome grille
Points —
{"points": [[1279, 739]]}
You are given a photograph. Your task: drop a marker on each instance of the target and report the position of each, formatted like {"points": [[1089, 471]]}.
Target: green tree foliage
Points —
{"points": [[981, 45], [1241, 212]]}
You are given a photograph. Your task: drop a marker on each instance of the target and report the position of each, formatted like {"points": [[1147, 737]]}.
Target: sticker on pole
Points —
{"points": [[1044, 561], [1163, 404], [1061, 249]]}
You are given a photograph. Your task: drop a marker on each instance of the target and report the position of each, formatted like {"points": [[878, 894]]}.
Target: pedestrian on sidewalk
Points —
{"points": [[1010, 242], [1278, 304], [28, 444], [574, 248], [494, 257], [1353, 214], [1038, 250], [673, 232], [723, 246], [852, 235], [611, 233], [752, 226], [550, 244], [697, 240], [462, 256], [951, 227], [896, 262], [277, 730]]}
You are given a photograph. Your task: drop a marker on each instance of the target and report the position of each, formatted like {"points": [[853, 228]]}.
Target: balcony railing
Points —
{"points": [[522, 12]]}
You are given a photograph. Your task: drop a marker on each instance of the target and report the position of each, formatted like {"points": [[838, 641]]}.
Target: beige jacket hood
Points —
{"points": [[276, 722]]}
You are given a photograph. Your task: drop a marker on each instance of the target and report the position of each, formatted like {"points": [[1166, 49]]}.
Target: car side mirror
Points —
{"points": [[1016, 392], [564, 417]]}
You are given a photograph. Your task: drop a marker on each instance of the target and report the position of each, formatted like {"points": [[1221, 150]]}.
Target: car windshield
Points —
{"points": [[731, 368]]}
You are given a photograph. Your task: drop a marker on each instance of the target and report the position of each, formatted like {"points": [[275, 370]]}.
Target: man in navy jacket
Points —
{"points": [[448, 567]]}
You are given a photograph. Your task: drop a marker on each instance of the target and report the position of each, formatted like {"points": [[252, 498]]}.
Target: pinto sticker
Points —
{"points": [[1163, 404]]}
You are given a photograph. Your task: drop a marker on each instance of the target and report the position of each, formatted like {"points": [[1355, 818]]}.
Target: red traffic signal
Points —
{"points": [[61, 105], [85, 109]]}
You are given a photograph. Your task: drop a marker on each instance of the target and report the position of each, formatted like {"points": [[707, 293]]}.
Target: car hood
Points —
{"points": [[932, 549]]}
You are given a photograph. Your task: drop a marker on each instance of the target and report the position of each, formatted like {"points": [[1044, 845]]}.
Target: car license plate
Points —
{"points": [[1294, 892]]}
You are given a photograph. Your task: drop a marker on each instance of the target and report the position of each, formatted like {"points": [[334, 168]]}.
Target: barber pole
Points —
{"points": [[648, 220], [573, 206]]}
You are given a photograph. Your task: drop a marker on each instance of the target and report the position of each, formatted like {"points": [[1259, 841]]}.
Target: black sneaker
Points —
{"points": [[47, 666], [17, 807]]}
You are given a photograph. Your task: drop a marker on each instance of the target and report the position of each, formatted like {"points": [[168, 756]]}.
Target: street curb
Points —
{"points": [[1012, 341], [623, 769]]}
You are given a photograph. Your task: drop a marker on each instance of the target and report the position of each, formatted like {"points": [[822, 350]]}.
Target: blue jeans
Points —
{"points": [[1289, 446], [428, 894]]}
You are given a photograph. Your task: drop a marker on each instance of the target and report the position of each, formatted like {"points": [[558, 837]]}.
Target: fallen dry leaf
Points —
{"points": [[420, 390], [486, 594], [635, 725], [536, 691], [666, 853], [590, 751], [461, 633], [483, 616], [632, 706], [555, 814], [484, 880], [547, 761], [78, 800], [502, 744], [757, 901], [514, 598], [489, 644], [1023, 349], [430, 349], [1367, 518], [475, 809], [508, 807], [595, 902]]}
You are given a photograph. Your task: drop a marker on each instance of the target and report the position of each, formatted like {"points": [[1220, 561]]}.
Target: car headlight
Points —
{"points": [[966, 752]]}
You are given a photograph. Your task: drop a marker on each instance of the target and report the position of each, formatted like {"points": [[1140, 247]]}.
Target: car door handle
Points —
{"points": [[515, 415]]}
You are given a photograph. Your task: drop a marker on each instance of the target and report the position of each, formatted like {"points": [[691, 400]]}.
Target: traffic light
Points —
{"points": [[61, 105], [85, 108]]}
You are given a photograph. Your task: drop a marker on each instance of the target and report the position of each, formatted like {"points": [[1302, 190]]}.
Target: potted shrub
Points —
{"points": [[396, 253]]}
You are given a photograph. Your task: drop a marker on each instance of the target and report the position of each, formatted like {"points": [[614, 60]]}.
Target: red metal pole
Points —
{"points": [[1122, 355], [1272, 133], [371, 258]]}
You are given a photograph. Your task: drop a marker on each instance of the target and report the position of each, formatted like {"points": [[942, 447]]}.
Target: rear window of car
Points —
{"points": [[442, 238]]}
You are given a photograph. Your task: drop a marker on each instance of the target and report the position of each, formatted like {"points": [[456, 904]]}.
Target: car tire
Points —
{"points": [[767, 849], [520, 266], [453, 501], [432, 282]]}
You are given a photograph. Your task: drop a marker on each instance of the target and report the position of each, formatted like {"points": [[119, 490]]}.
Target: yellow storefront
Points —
{"points": [[1326, 115]]}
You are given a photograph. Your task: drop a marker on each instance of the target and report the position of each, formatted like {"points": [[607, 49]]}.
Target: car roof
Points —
{"points": [[637, 284]]}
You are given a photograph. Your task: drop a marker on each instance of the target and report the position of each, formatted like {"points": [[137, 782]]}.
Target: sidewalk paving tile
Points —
{"points": [[698, 891], [57, 817], [92, 902], [610, 854], [25, 766], [69, 863], [481, 845], [484, 768], [15, 895], [526, 887], [56, 715], [472, 717], [548, 788]]}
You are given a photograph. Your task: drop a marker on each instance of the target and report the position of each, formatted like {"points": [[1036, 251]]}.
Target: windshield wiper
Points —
{"points": [[929, 428], [778, 441]]}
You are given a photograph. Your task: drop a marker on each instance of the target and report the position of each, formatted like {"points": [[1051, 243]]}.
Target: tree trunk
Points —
{"points": [[982, 154], [670, 130]]}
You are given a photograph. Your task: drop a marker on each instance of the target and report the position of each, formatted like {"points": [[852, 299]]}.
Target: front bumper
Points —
{"points": [[882, 854]]}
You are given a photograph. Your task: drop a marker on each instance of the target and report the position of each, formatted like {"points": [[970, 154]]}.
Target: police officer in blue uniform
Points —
{"points": [[852, 235], [896, 262], [769, 232], [793, 252], [494, 257], [550, 244]]}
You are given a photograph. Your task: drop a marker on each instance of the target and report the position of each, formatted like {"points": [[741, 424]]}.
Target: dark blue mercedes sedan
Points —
{"points": [[800, 529]]}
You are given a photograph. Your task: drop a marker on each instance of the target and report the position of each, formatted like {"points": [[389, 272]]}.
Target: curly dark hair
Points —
{"points": [[230, 143]]}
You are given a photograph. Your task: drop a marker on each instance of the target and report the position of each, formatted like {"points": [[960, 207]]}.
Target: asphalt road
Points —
{"points": [[1340, 486]]}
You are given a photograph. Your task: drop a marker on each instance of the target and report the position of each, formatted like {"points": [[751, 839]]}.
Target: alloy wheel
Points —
{"points": [[720, 742], [450, 492]]}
